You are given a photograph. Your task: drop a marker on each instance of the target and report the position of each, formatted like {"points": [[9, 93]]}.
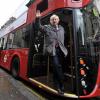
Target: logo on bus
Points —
{"points": [[5, 58]]}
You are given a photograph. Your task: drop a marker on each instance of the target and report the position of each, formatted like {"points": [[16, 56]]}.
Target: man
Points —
{"points": [[54, 46]]}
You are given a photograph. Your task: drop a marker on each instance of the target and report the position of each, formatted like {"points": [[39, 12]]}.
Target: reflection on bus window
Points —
{"points": [[80, 26], [88, 32]]}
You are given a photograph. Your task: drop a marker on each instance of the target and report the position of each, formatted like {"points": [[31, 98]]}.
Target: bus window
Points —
{"points": [[4, 42], [88, 39], [42, 6], [21, 38], [1, 43], [25, 36], [91, 26], [10, 40], [17, 39]]}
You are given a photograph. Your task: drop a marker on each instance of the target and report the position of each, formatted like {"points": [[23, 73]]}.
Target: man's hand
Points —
{"points": [[38, 14]]}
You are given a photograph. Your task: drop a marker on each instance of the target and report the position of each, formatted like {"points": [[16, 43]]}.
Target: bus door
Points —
{"points": [[42, 69]]}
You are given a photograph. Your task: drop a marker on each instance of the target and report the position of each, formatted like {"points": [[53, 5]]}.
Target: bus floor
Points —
{"points": [[11, 89], [48, 81], [67, 83]]}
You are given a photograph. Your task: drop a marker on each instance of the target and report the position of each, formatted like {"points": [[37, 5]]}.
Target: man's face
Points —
{"points": [[54, 21]]}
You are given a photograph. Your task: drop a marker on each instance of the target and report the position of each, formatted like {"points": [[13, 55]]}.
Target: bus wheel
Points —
{"points": [[15, 67]]}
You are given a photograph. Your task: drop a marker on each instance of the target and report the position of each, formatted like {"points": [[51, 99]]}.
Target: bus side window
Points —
{"points": [[1, 46], [17, 41], [25, 36], [0, 43], [10, 41], [5, 42], [21, 38]]}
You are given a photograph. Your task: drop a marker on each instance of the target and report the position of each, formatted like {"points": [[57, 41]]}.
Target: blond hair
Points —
{"points": [[54, 16]]}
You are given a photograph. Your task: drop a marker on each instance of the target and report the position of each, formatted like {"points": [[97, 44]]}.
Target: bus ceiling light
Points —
{"points": [[82, 61], [82, 72]]}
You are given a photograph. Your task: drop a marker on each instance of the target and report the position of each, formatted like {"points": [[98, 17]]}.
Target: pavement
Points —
{"points": [[11, 89]]}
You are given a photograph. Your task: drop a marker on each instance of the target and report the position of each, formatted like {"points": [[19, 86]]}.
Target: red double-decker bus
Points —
{"points": [[21, 50]]}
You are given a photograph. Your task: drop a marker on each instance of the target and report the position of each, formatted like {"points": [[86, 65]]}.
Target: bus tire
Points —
{"points": [[15, 67]]}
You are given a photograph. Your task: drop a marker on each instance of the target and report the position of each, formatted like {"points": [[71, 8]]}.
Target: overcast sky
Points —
{"points": [[9, 8]]}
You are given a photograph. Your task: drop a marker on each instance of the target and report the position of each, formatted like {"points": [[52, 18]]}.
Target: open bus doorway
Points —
{"points": [[41, 69]]}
